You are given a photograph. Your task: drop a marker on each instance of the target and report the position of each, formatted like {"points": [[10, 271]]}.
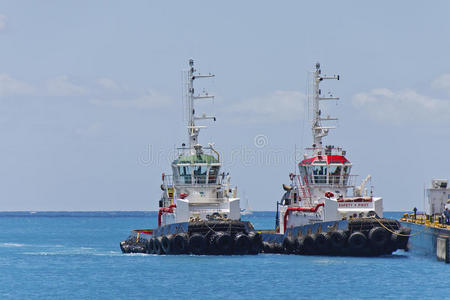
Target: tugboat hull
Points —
{"points": [[356, 237], [198, 238]]}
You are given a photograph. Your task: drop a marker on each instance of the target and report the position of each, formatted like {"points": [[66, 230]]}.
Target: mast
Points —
{"points": [[193, 129], [318, 130]]}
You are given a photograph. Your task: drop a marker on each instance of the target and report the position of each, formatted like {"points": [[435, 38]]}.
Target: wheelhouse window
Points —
{"points": [[305, 174], [185, 174], [320, 174], [334, 174], [346, 173], [200, 174], [212, 175]]}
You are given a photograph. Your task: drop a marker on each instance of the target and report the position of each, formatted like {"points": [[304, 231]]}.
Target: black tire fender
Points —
{"points": [[378, 237], [357, 240], [338, 238], [197, 244], [288, 245], [242, 244]]}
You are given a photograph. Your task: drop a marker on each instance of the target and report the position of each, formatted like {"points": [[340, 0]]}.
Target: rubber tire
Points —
{"points": [[278, 248], [256, 242], [299, 248], [272, 248], [403, 240], [157, 249], [222, 243], [378, 238], [242, 244], [124, 247], [288, 245], [308, 244], [357, 241], [266, 247], [321, 243], [179, 244], [166, 244], [136, 248], [197, 244], [150, 246], [338, 238], [141, 248]]}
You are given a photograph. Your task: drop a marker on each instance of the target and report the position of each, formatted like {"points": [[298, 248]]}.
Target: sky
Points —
{"points": [[91, 95]]}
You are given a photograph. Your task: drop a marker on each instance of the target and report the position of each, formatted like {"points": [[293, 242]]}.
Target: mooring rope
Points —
{"points": [[397, 233]]}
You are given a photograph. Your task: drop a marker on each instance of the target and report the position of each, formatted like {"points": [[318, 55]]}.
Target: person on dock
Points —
{"points": [[447, 215]]}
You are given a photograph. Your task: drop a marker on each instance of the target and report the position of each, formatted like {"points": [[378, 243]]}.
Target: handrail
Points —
{"points": [[329, 179], [165, 210], [198, 179], [193, 179], [217, 153]]}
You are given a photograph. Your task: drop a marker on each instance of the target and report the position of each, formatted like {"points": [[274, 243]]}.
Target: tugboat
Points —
{"points": [[199, 211], [316, 215]]}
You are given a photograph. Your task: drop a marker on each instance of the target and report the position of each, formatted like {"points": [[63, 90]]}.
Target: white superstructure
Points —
{"points": [[320, 191], [197, 190], [438, 195]]}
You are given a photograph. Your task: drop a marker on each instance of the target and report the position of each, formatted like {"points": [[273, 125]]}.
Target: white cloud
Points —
{"points": [[3, 20], [442, 82], [404, 105], [277, 106], [11, 86], [151, 99], [62, 86], [107, 83]]}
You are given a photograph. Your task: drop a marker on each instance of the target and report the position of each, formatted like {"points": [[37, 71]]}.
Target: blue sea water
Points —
{"points": [[76, 256]]}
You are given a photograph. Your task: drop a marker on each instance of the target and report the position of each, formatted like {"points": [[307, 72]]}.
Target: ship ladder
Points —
{"points": [[306, 194], [171, 194]]}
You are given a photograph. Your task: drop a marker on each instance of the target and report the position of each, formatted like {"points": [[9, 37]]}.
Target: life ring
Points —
{"points": [[329, 195]]}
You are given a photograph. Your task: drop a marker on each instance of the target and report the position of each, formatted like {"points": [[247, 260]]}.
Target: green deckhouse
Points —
{"points": [[196, 169]]}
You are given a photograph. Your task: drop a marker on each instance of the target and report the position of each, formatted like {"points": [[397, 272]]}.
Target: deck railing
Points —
{"points": [[193, 180], [332, 180]]}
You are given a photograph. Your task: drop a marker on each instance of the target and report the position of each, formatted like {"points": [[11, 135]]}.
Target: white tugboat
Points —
{"points": [[317, 214], [199, 210]]}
